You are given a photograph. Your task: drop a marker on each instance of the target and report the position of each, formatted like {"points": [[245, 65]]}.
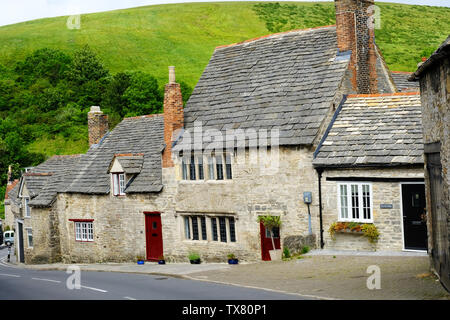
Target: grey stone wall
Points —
{"points": [[249, 194], [435, 98], [389, 222]]}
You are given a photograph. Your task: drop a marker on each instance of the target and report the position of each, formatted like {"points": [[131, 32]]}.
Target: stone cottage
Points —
{"points": [[11, 204], [434, 76], [371, 168], [32, 209], [196, 179]]}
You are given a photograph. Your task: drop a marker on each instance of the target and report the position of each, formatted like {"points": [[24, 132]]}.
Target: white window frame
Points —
{"points": [[29, 233], [209, 164], [27, 207], [118, 183], [84, 231], [349, 202]]}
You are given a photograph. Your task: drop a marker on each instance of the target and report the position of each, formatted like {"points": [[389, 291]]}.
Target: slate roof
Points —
{"points": [[285, 81], [12, 191], [374, 130], [144, 135], [45, 180], [442, 52], [130, 163], [402, 83]]}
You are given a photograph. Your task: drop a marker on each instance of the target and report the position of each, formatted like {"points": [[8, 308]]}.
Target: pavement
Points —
{"points": [[339, 275], [320, 274]]}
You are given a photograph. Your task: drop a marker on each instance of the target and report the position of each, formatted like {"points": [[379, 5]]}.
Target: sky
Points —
{"points": [[13, 11]]}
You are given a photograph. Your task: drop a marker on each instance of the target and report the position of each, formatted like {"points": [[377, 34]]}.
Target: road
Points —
{"points": [[25, 284]]}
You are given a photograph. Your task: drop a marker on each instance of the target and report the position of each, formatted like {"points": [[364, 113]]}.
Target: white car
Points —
{"points": [[8, 237]]}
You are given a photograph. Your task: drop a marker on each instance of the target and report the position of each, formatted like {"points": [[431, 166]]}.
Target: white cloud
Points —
{"points": [[13, 11]]}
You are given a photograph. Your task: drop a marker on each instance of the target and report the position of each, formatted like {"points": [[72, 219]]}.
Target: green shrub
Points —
{"points": [[286, 252], [193, 256], [305, 249]]}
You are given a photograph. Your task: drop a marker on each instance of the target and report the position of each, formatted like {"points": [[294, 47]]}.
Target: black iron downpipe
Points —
{"points": [[319, 174]]}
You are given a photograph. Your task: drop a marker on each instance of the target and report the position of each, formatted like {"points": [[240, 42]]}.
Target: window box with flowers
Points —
{"points": [[369, 230]]}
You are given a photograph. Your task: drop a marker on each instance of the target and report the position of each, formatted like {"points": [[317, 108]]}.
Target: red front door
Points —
{"points": [[153, 233], [266, 241]]}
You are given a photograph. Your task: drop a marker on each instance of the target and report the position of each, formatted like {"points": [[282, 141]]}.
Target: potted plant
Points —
{"points": [[140, 259], [161, 260], [194, 258], [232, 259], [271, 222]]}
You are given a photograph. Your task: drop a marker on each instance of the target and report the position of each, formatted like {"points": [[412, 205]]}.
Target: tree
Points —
{"points": [[142, 95], [43, 63], [113, 97], [85, 67]]}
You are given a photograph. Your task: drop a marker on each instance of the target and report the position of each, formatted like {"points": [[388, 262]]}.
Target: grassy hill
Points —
{"points": [[151, 38]]}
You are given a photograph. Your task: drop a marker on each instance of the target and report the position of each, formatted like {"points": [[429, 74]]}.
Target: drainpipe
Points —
{"points": [[319, 175]]}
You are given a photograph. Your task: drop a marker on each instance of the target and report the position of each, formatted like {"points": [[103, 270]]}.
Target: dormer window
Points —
{"points": [[118, 181], [124, 167]]}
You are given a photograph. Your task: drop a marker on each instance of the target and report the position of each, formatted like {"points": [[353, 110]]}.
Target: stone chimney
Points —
{"points": [[354, 32], [173, 116], [97, 124], [9, 175]]}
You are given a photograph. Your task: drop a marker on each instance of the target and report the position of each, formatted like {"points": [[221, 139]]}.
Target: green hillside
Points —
{"points": [[151, 38], [51, 75]]}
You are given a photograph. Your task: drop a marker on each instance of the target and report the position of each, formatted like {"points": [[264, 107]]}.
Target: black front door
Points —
{"points": [[21, 251], [414, 216]]}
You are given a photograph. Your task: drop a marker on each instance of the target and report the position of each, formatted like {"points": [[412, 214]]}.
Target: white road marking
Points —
{"points": [[49, 280], [95, 289], [9, 275], [5, 264], [129, 298]]}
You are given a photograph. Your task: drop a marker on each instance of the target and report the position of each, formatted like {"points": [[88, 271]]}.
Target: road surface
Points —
{"points": [[25, 284]]}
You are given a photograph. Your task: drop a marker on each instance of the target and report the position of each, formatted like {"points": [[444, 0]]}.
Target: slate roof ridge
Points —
{"points": [[65, 156], [374, 95], [144, 116], [273, 35], [128, 154], [402, 72], [37, 174]]}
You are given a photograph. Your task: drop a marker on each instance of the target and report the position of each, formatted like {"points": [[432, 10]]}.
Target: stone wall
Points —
{"points": [[9, 215], [249, 194], [388, 221], [435, 98], [119, 222]]}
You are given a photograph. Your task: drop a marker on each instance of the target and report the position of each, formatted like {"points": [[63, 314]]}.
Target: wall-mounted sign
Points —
{"points": [[386, 206]]}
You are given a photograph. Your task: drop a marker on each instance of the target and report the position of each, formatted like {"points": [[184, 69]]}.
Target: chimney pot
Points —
{"points": [[95, 109], [171, 74]]}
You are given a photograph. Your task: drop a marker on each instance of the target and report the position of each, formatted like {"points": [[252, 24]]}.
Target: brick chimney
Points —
{"points": [[97, 125], [173, 116], [354, 33]]}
